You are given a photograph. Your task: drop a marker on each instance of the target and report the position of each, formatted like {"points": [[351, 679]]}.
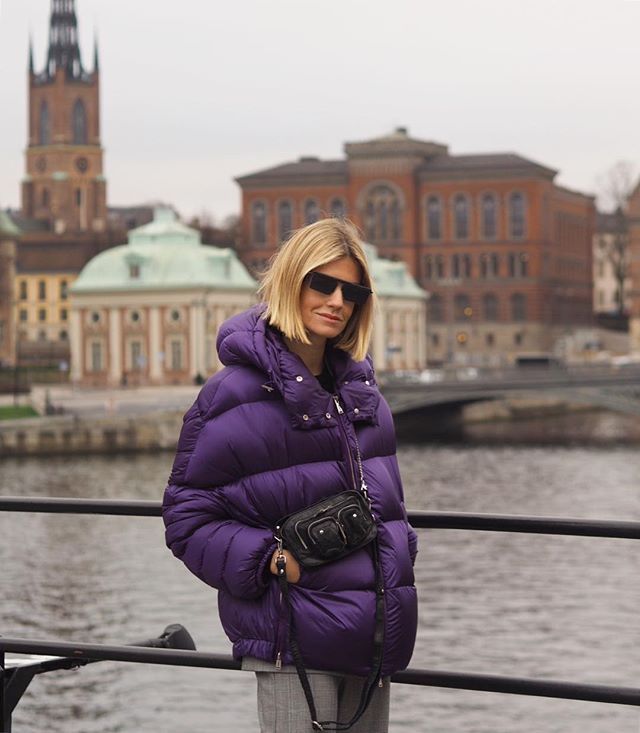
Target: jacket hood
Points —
{"points": [[247, 339]]}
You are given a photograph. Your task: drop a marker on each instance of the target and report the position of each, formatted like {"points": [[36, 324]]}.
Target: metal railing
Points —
{"points": [[75, 654]]}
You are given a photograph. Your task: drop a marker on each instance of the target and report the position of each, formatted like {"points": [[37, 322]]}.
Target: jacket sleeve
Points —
{"points": [[218, 549], [413, 543]]}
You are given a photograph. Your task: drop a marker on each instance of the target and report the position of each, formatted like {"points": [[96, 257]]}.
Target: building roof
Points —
{"points": [[163, 255], [7, 227], [304, 167], [484, 163], [392, 279]]}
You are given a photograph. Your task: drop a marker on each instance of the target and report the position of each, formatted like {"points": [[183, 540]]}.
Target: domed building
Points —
{"points": [[147, 312]]}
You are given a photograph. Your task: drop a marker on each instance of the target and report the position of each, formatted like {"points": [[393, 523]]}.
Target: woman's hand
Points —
{"points": [[292, 567]]}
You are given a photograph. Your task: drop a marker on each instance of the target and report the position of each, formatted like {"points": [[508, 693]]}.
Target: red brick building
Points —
{"points": [[504, 252]]}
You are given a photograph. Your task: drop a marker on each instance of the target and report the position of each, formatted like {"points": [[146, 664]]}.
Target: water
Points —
{"points": [[546, 607]]}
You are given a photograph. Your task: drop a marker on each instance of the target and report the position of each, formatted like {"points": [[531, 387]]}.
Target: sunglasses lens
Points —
{"points": [[326, 285], [323, 283]]}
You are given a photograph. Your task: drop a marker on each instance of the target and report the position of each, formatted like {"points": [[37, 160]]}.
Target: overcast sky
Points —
{"points": [[196, 92]]}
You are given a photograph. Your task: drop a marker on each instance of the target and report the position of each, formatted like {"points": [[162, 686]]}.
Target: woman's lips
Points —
{"points": [[332, 319]]}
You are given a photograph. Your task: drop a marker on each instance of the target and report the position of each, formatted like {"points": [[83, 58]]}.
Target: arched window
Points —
{"points": [[439, 267], [434, 214], [518, 307], [79, 123], [462, 307], [311, 211], [516, 215], [461, 216], [489, 218], [44, 128], [337, 208], [382, 215], [285, 219], [435, 309], [259, 222], [490, 307]]}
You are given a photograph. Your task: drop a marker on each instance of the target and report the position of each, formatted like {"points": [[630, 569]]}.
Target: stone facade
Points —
{"points": [[8, 237]]}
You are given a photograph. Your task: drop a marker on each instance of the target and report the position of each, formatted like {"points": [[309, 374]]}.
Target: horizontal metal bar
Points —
{"points": [[418, 519], [432, 678]]}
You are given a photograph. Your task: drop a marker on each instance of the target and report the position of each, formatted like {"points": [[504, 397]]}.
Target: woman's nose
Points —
{"points": [[336, 298]]}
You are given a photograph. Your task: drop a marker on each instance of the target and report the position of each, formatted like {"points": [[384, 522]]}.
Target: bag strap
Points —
{"points": [[378, 641]]}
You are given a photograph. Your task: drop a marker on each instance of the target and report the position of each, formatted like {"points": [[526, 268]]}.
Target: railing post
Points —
{"points": [[5, 712]]}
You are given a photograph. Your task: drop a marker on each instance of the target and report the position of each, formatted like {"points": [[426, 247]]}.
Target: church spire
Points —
{"points": [[64, 51], [31, 71]]}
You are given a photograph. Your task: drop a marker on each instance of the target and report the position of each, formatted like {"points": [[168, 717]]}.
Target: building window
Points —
{"points": [[24, 315], [135, 352], [64, 314], [95, 317], [517, 339], [259, 222], [42, 335], [489, 218], [436, 309], [382, 218], [516, 215], [435, 339], [23, 289], [455, 266], [135, 317], [524, 264], [337, 208], [64, 290], [489, 339], [176, 354], [462, 307], [96, 356], [434, 215], [63, 336], [175, 316], [311, 211], [466, 266], [461, 216], [79, 123], [285, 219], [134, 271], [42, 314], [518, 307], [44, 130], [45, 198], [42, 290], [78, 197], [490, 307], [439, 267], [428, 268], [518, 264]]}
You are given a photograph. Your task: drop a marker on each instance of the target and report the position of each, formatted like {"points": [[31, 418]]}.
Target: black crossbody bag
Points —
{"points": [[328, 531]]}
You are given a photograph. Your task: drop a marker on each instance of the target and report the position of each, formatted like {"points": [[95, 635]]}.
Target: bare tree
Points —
{"points": [[615, 187]]}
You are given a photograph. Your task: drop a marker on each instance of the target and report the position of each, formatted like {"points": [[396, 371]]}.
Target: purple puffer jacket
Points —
{"points": [[262, 440]]}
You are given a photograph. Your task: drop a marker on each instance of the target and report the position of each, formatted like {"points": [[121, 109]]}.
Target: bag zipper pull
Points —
{"points": [[338, 407], [279, 661]]}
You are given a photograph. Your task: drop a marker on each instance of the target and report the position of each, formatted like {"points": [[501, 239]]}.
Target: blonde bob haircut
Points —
{"points": [[307, 249]]}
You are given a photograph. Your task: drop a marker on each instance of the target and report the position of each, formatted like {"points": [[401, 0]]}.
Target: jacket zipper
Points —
{"points": [[346, 440]]}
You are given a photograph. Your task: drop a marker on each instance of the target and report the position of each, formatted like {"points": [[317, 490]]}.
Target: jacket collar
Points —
{"points": [[248, 339]]}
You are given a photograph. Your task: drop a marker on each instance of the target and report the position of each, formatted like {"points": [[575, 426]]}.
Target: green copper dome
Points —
{"points": [[7, 227], [163, 255]]}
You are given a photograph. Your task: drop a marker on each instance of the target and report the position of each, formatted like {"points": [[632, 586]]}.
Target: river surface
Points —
{"points": [[562, 608]]}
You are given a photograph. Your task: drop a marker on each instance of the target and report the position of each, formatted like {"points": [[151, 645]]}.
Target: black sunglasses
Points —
{"points": [[326, 285]]}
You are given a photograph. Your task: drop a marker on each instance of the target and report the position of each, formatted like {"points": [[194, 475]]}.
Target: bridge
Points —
{"points": [[411, 399]]}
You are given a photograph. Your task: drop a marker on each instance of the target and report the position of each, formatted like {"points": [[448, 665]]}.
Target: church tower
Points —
{"points": [[64, 183]]}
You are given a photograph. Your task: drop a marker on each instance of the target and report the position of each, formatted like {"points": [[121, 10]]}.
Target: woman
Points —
{"points": [[293, 418]]}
